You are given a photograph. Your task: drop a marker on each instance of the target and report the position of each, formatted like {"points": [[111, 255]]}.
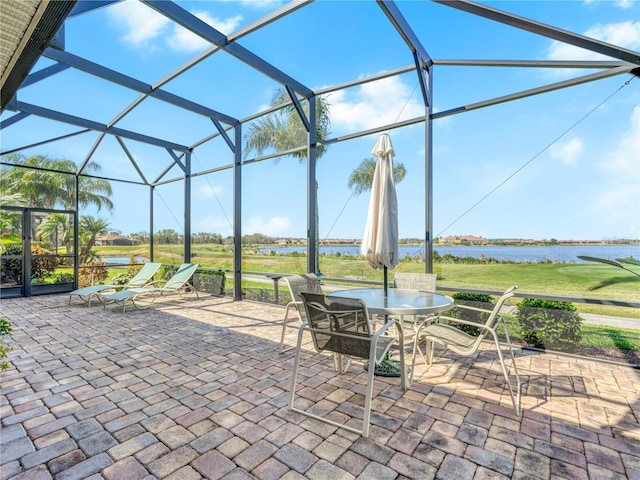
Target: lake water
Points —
{"points": [[534, 253], [123, 260]]}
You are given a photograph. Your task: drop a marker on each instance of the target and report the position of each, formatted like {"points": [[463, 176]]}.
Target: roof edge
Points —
{"points": [[45, 24]]}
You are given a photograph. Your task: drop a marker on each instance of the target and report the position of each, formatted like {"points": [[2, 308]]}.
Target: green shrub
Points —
{"points": [[258, 294], [96, 274], [549, 324], [5, 330], [211, 281], [476, 300], [132, 270], [41, 267], [64, 278], [167, 271]]}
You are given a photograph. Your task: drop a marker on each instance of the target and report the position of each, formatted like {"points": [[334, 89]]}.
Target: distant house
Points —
{"points": [[116, 240], [463, 240]]}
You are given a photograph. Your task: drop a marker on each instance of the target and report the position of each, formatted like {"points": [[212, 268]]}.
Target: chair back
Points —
{"points": [[495, 313], [181, 277], [424, 282], [338, 324], [145, 274], [302, 283]]}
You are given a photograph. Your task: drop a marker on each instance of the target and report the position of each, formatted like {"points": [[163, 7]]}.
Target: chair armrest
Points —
{"points": [[461, 321], [385, 326], [475, 309]]}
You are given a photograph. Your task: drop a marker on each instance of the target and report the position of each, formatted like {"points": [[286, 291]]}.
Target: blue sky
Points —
{"points": [[563, 165]]}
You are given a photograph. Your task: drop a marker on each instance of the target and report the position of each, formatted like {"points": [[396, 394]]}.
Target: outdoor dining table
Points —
{"points": [[398, 302]]}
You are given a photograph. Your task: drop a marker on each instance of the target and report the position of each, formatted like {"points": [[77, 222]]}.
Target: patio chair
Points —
{"points": [[179, 283], [142, 278], [297, 284], [424, 282], [465, 344], [341, 325]]}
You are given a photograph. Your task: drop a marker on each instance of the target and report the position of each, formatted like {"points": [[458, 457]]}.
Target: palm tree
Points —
{"points": [[11, 221], [362, 177], [89, 229], [46, 183], [50, 183], [37, 186], [283, 130], [92, 191], [13, 199], [56, 227]]}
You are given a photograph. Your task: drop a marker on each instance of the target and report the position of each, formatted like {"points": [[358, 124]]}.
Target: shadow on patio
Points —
{"points": [[196, 389]]}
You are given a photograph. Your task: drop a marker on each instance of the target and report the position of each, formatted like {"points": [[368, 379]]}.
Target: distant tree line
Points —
{"points": [[169, 236]]}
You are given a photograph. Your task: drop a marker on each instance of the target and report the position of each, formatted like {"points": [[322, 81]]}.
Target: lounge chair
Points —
{"points": [[179, 283], [142, 278]]}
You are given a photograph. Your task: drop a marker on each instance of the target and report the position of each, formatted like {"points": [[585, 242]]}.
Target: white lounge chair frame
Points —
{"points": [[179, 283], [142, 278]]}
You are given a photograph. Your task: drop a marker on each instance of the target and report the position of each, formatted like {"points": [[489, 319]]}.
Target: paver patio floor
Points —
{"points": [[196, 389]]}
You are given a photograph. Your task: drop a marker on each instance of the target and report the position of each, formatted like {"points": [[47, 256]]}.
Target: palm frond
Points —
{"points": [[361, 178], [614, 281], [613, 263], [600, 260], [629, 260]]}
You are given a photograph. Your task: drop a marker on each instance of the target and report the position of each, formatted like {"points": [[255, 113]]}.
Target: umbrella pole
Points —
{"points": [[385, 282], [385, 288]]}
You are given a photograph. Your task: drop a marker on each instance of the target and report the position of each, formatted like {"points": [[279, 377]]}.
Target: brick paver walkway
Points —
{"points": [[196, 389]]}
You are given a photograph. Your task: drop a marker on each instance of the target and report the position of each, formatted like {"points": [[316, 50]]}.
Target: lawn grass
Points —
{"points": [[565, 280], [599, 336], [610, 337]]}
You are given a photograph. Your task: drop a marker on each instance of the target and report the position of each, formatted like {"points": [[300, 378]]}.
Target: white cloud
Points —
{"points": [[182, 40], [208, 191], [623, 34], [259, 4], [272, 227], [623, 160], [142, 25], [568, 152], [374, 104], [215, 224], [619, 3], [619, 198]]}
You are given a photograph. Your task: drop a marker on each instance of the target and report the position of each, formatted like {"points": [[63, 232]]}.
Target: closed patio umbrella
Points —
{"points": [[380, 239]]}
